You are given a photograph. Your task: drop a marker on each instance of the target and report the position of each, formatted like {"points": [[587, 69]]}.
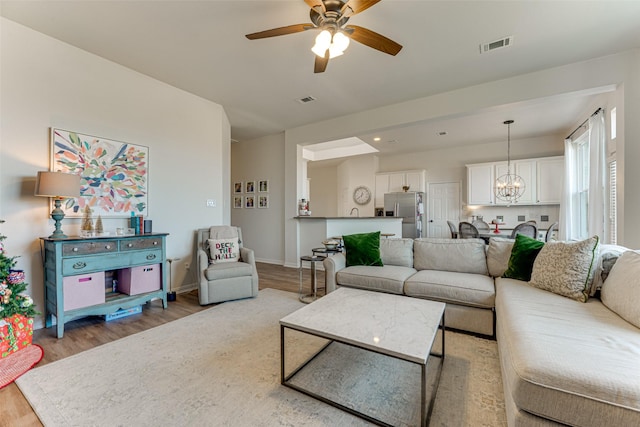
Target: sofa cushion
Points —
{"points": [[621, 290], [565, 268], [362, 249], [389, 278], [523, 254], [498, 254], [397, 251], [575, 363], [227, 270], [457, 255], [476, 290]]}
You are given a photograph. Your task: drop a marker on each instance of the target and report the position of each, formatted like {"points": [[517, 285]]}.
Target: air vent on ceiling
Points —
{"points": [[497, 44], [306, 99]]}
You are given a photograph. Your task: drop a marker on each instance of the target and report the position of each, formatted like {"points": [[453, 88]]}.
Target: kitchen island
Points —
{"points": [[314, 229]]}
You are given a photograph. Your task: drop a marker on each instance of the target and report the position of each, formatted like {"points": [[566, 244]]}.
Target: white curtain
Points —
{"points": [[567, 208], [597, 176]]}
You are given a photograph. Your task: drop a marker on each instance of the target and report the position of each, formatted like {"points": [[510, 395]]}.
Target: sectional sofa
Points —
{"points": [[563, 362]]}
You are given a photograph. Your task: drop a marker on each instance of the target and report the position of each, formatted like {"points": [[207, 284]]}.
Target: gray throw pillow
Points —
{"points": [[565, 268]]}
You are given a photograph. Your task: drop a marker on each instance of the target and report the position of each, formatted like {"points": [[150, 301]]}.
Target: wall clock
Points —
{"points": [[362, 195]]}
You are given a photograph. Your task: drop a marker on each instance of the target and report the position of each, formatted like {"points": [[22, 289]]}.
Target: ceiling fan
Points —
{"points": [[330, 17]]}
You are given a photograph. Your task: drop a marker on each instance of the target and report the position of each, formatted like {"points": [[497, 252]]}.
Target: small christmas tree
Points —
{"points": [[87, 222], [99, 228], [12, 299]]}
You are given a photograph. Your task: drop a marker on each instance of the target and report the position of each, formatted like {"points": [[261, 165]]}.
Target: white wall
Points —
{"points": [[262, 229], [352, 173], [324, 190], [46, 83]]}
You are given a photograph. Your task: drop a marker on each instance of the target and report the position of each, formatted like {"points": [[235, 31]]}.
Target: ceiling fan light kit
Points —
{"points": [[509, 187], [336, 44], [330, 17]]}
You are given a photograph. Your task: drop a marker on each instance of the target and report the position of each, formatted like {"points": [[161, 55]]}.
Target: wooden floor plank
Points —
{"points": [[83, 334]]}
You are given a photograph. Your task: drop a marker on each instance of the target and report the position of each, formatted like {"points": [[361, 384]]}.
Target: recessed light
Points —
{"points": [[377, 139], [392, 141], [441, 133]]}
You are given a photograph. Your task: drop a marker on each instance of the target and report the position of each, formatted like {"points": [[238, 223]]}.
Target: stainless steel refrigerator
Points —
{"points": [[410, 207]]}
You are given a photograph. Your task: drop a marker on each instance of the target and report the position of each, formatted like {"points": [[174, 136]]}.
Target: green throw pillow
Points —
{"points": [[363, 249], [523, 254]]}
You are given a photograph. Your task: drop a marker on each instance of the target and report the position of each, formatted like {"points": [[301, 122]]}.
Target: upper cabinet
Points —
{"points": [[542, 178], [390, 182], [480, 180], [550, 178]]}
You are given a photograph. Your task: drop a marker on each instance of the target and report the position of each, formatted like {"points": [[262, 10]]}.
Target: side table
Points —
{"points": [[313, 295]]}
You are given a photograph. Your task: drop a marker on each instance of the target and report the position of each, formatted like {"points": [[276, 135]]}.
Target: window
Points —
{"points": [[613, 123], [585, 210], [613, 204]]}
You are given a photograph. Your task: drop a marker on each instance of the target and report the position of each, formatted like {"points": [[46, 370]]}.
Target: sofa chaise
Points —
{"points": [[563, 362]]}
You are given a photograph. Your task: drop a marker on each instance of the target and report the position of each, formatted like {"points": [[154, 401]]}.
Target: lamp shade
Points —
{"points": [[57, 184]]}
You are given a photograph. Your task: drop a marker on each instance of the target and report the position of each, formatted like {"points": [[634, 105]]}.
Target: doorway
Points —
{"points": [[443, 204]]}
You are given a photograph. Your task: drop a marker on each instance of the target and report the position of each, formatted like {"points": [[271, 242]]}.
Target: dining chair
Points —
{"points": [[550, 232], [453, 229], [481, 225], [466, 230], [526, 229]]}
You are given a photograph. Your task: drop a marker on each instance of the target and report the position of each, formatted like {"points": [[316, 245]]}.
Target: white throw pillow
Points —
{"points": [[224, 250], [621, 290], [498, 254], [566, 268]]}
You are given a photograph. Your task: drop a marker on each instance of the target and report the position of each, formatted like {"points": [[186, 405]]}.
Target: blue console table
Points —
{"points": [[75, 255]]}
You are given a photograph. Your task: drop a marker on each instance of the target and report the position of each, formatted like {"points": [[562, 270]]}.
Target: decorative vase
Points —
{"points": [[15, 277]]}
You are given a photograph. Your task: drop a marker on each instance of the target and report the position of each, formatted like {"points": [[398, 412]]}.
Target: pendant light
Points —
{"points": [[509, 187]]}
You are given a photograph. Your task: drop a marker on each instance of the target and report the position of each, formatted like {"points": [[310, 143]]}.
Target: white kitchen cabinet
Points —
{"points": [[542, 178], [480, 180], [550, 177], [415, 180], [396, 181], [390, 182]]}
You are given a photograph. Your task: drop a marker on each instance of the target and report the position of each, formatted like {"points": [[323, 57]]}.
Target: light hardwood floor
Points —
{"points": [[83, 334]]}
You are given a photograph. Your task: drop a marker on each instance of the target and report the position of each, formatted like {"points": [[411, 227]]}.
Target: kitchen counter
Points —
{"points": [[315, 229]]}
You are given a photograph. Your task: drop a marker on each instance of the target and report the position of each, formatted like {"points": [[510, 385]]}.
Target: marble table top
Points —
{"points": [[393, 325]]}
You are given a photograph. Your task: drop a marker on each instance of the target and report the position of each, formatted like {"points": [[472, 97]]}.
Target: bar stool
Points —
{"points": [[309, 297]]}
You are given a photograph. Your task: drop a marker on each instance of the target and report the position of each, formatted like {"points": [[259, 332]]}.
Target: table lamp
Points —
{"points": [[59, 186]]}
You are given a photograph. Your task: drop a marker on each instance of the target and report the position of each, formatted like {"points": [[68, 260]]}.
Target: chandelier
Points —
{"points": [[509, 187]]}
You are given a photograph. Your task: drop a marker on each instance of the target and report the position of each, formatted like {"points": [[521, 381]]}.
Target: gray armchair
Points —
{"points": [[224, 281]]}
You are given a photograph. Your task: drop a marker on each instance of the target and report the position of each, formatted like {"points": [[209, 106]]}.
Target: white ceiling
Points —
{"points": [[199, 46]]}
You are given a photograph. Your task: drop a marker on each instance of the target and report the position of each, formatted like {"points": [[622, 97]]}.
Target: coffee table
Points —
{"points": [[392, 325]]}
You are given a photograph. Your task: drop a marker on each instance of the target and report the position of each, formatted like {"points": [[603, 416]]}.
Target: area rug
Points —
{"points": [[16, 364], [221, 367]]}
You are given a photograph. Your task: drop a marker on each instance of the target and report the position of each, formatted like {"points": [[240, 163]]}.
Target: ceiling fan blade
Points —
{"points": [[373, 39], [281, 31], [321, 63], [352, 7], [316, 3]]}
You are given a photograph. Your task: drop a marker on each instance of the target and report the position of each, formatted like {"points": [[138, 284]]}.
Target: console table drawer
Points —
{"points": [[89, 248], [72, 266], [137, 244]]}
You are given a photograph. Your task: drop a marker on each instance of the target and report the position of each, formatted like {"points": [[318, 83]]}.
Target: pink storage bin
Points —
{"points": [[83, 290], [138, 280]]}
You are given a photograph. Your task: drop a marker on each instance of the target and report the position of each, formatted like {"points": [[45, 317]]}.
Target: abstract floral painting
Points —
{"points": [[114, 174]]}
